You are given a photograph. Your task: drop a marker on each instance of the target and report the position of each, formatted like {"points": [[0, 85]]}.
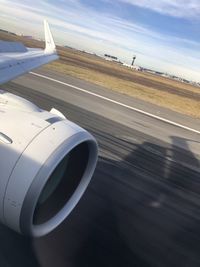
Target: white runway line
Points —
{"points": [[120, 104]]}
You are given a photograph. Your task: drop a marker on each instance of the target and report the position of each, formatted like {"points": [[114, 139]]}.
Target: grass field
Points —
{"points": [[177, 96]]}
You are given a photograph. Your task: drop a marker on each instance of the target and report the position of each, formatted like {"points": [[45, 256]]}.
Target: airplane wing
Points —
{"points": [[16, 59]]}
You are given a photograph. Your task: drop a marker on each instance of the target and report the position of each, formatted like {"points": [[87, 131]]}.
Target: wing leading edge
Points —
{"points": [[16, 59]]}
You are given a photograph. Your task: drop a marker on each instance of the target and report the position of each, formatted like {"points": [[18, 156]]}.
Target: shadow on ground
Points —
{"points": [[141, 211]]}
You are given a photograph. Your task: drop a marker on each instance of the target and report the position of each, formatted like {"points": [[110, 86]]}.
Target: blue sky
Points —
{"points": [[163, 34]]}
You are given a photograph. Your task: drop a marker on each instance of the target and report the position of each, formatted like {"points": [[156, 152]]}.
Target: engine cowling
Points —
{"points": [[46, 165]]}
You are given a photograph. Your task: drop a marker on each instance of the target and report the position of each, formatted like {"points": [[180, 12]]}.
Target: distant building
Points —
{"points": [[111, 58], [27, 36], [134, 58], [134, 67], [8, 32]]}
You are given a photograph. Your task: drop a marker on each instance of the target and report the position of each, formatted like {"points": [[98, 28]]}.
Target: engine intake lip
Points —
{"points": [[27, 224]]}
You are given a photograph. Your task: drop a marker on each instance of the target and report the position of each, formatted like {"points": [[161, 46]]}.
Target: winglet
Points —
{"points": [[50, 46]]}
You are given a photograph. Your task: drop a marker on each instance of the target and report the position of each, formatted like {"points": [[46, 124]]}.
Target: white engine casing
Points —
{"points": [[32, 144]]}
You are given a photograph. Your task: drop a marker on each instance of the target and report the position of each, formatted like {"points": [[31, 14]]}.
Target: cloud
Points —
{"points": [[76, 18], [175, 8]]}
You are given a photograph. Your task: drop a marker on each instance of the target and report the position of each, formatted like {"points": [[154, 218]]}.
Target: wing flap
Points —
{"points": [[12, 47]]}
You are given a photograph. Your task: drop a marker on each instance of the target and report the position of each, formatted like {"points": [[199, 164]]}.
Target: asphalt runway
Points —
{"points": [[142, 207]]}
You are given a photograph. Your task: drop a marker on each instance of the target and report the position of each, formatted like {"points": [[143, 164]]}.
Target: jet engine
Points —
{"points": [[46, 163]]}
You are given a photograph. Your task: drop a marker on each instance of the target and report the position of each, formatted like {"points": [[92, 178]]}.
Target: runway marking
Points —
{"points": [[119, 103]]}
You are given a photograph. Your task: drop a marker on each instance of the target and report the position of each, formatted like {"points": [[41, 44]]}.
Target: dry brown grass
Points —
{"points": [[161, 91], [174, 102]]}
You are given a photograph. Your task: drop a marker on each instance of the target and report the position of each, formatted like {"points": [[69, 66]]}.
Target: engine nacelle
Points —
{"points": [[46, 163]]}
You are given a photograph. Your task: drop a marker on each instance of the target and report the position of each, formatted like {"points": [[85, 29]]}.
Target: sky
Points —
{"points": [[163, 34]]}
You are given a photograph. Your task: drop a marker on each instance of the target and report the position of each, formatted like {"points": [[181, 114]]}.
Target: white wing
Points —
{"points": [[16, 59]]}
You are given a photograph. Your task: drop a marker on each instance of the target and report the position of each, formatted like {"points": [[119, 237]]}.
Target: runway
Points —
{"points": [[142, 206]]}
